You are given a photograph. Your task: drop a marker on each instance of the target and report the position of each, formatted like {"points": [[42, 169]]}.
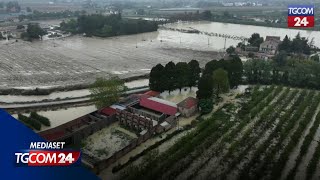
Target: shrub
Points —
{"points": [[43, 120], [30, 122]]}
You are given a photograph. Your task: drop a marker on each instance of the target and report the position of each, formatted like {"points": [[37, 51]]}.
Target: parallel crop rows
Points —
{"points": [[257, 144]]}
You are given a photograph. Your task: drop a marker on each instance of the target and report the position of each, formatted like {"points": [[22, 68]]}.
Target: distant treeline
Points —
{"points": [[106, 26], [37, 15]]}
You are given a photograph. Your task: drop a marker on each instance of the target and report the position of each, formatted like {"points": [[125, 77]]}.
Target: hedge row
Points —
{"points": [[43, 120], [29, 121]]}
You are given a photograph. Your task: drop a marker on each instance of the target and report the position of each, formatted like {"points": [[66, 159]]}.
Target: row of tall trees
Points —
{"points": [[295, 72], [173, 76], [36, 15], [106, 26]]}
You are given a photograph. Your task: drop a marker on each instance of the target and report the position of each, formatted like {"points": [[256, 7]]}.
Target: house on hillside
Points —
{"points": [[188, 107], [270, 45]]}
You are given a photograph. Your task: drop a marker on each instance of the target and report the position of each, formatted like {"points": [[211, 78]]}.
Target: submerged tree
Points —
{"points": [[182, 70], [105, 92], [170, 76], [194, 73], [205, 87], [220, 81], [34, 31], [156, 80], [234, 67]]}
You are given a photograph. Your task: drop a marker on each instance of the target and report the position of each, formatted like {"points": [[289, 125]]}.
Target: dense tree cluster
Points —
{"points": [[34, 31], [297, 73], [217, 78], [106, 26], [233, 66], [12, 6], [173, 76], [255, 40], [298, 45]]}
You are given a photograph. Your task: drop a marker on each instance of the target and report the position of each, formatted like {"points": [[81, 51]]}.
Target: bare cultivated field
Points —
{"points": [[79, 60]]}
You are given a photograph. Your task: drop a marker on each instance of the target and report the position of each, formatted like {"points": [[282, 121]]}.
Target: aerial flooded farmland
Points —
{"points": [[147, 89], [79, 60]]}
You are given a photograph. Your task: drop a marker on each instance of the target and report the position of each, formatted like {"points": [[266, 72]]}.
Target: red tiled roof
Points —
{"points": [[188, 102], [165, 108], [152, 93], [53, 136], [108, 111]]}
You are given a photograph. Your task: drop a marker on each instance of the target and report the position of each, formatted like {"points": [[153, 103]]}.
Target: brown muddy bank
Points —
{"points": [[48, 90]]}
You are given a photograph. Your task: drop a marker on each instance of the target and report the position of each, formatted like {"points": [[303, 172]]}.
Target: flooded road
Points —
{"points": [[64, 94], [217, 43]]}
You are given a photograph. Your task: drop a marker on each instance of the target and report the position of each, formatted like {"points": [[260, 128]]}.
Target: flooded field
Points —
{"points": [[61, 116], [79, 60], [217, 43], [176, 96], [107, 141]]}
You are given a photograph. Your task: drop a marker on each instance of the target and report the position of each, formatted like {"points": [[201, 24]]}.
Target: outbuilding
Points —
{"points": [[188, 107], [159, 105]]}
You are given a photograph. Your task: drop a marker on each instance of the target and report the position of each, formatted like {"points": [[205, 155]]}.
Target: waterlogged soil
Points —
{"points": [[74, 94], [80, 60], [61, 116], [107, 141], [291, 162]]}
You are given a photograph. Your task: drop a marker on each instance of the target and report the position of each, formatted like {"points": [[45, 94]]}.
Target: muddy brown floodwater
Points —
{"points": [[79, 60]]}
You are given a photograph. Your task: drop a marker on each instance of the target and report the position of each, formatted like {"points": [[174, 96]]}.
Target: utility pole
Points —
{"points": [[208, 41], [225, 42]]}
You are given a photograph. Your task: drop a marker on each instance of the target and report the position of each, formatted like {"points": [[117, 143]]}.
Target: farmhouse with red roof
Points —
{"points": [[188, 107]]}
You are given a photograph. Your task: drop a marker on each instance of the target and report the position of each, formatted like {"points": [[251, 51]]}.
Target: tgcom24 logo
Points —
{"points": [[47, 154], [301, 16]]}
